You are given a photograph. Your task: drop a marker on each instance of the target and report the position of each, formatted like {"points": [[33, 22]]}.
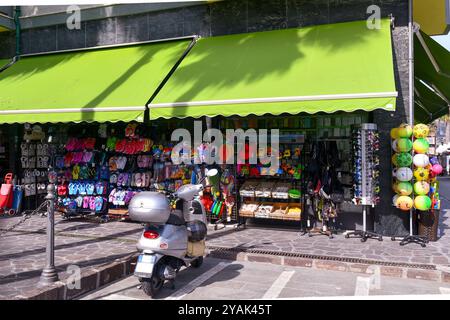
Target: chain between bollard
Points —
{"points": [[25, 217]]}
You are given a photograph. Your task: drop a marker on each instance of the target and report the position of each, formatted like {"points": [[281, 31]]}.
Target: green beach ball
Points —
{"points": [[404, 159], [422, 203], [405, 130], [404, 145], [404, 188], [421, 145]]}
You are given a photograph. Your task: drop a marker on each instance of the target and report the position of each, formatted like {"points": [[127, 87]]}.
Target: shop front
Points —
{"points": [[103, 120]]}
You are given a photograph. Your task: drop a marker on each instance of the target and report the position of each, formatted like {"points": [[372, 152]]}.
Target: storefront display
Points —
{"points": [[416, 186]]}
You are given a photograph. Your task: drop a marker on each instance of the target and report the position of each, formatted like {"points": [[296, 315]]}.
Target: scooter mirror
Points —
{"points": [[212, 172]]}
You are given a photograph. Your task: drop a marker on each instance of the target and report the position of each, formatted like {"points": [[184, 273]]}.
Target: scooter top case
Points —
{"points": [[149, 207]]}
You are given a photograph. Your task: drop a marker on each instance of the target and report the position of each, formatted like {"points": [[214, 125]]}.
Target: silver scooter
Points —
{"points": [[173, 236]]}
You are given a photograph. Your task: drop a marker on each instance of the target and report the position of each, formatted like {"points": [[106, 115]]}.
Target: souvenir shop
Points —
{"points": [[101, 166], [109, 136]]}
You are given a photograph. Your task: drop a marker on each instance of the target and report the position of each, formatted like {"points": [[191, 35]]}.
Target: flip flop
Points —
{"points": [[73, 187], [79, 201], [98, 203], [112, 195], [92, 203], [99, 188], [90, 188], [138, 179], [86, 202]]}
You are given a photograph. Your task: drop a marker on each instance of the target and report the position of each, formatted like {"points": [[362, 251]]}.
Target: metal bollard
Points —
{"points": [[49, 274]]}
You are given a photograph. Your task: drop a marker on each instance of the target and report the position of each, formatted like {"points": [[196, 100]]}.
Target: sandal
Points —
{"points": [[86, 202], [82, 188], [138, 180], [92, 203], [99, 188], [113, 178], [76, 172], [90, 188], [98, 203], [112, 195], [79, 201]]}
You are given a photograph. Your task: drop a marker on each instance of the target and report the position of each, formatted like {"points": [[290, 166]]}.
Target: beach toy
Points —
{"points": [[434, 160], [394, 133], [394, 159], [404, 145], [394, 200], [421, 188], [421, 160], [436, 169], [394, 145], [404, 159], [404, 174], [421, 174], [404, 203], [403, 188], [405, 130], [422, 203], [421, 145], [421, 130]]}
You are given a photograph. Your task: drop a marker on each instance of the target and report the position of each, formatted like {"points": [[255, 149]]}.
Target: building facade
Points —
{"points": [[44, 29]]}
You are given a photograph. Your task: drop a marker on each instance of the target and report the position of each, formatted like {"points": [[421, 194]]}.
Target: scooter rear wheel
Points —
{"points": [[152, 286]]}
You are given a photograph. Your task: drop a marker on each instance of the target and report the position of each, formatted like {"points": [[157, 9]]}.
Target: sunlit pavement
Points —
{"points": [[252, 280]]}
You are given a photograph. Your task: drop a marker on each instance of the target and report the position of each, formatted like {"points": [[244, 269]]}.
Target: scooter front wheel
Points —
{"points": [[197, 262]]}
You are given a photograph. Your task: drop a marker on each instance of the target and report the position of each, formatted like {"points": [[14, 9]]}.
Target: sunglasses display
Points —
{"points": [[366, 161]]}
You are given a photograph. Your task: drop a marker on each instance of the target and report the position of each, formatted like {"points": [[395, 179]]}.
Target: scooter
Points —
{"points": [[173, 237]]}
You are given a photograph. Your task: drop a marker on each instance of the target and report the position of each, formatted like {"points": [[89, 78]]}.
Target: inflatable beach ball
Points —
{"points": [[394, 133], [405, 130], [394, 145], [404, 174], [422, 203], [421, 160], [421, 130], [421, 145], [404, 159], [394, 159], [436, 169], [403, 188], [404, 203], [394, 200], [421, 188], [434, 160], [421, 174], [403, 145]]}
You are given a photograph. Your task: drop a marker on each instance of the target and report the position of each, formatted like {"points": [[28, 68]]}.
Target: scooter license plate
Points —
{"points": [[145, 265]]}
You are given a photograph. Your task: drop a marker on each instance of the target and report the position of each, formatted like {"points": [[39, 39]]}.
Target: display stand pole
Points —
{"points": [[364, 234], [411, 238]]}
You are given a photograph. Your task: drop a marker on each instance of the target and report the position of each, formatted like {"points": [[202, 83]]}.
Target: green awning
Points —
{"points": [[109, 84], [432, 65], [327, 68], [428, 104]]}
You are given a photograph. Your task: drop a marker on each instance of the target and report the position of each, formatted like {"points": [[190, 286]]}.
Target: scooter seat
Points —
{"points": [[175, 220]]}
